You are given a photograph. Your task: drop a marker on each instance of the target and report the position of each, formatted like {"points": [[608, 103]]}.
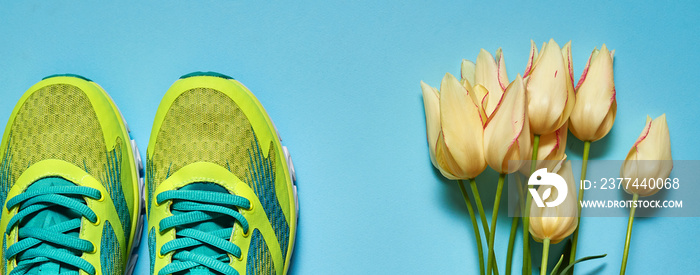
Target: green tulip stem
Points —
{"points": [[629, 235], [482, 214], [475, 225], [584, 166], [545, 256], [535, 147], [527, 265], [514, 227], [511, 243], [494, 217]]}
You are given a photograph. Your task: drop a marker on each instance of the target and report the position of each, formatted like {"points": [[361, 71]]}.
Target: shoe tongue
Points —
{"points": [[206, 226], [49, 217]]}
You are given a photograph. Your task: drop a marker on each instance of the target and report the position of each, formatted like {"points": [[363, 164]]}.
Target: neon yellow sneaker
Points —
{"points": [[221, 196], [69, 183]]}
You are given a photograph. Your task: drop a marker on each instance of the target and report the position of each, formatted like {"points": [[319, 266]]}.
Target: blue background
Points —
{"points": [[341, 80]]}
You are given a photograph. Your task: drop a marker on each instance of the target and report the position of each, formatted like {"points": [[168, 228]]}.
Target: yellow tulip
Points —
{"points": [[489, 73], [649, 158], [455, 129], [507, 132], [558, 222], [595, 108], [549, 86]]}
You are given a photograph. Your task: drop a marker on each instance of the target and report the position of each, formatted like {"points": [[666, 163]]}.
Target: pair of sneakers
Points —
{"points": [[219, 192]]}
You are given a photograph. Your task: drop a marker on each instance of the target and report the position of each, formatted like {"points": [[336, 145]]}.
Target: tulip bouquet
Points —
{"points": [[521, 125]]}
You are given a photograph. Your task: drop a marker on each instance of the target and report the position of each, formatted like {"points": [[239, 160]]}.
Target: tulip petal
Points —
{"points": [[657, 144], [487, 74], [585, 70], [633, 152], [593, 115], [568, 63], [570, 92], [531, 60], [502, 74], [505, 128], [480, 95], [462, 128], [444, 159], [468, 69], [548, 92], [650, 157], [550, 146], [431, 103], [608, 121]]}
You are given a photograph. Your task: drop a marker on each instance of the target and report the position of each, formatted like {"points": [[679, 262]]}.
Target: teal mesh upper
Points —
{"points": [[150, 184], [112, 181], [110, 253], [4, 249], [152, 247], [259, 257], [261, 177], [5, 175]]}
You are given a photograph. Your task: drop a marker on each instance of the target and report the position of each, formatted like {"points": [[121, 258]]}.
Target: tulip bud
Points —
{"points": [[594, 112], [549, 87], [507, 132], [459, 152], [649, 158], [557, 222]]}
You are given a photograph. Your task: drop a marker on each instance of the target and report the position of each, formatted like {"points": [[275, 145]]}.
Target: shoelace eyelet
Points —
{"points": [[250, 208], [246, 234], [97, 222], [166, 202], [94, 249], [160, 256], [102, 197]]}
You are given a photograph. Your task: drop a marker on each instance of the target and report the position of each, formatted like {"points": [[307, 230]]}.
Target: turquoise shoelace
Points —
{"points": [[191, 208], [53, 244]]}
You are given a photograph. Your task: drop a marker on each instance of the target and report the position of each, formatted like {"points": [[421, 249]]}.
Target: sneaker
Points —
{"points": [[221, 195], [69, 183]]}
